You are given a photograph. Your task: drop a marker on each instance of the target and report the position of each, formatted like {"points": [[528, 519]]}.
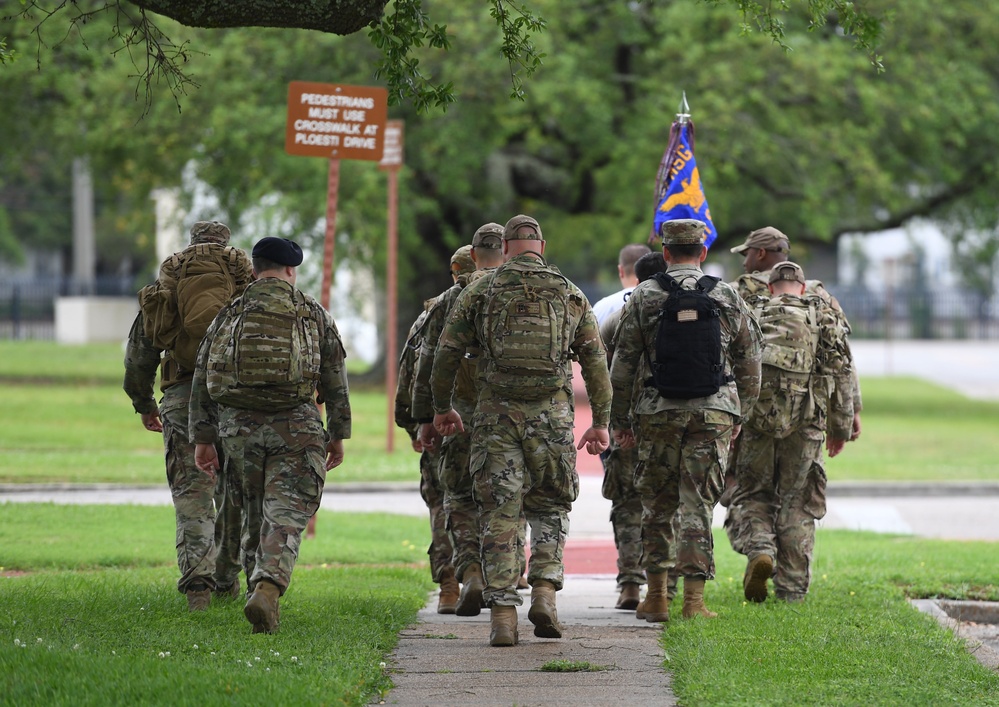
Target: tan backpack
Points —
{"points": [[192, 287], [265, 355]]}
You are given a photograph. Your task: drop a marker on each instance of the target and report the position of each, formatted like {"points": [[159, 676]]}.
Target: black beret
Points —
{"points": [[278, 250]]}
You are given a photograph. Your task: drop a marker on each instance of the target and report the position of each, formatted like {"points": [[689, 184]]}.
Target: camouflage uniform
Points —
{"points": [[208, 515], [780, 479], [619, 488], [752, 285], [276, 456], [689, 437], [522, 451], [440, 550]]}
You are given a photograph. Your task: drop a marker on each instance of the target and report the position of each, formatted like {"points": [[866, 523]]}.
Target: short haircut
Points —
{"points": [[648, 265], [629, 255], [263, 265], [685, 250]]}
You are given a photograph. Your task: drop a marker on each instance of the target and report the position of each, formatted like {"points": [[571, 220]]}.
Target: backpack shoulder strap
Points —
{"points": [[707, 283], [667, 282]]}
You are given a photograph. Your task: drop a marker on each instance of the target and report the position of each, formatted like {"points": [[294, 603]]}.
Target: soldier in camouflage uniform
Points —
{"points": [[681, 436], [764, 248], [455, 481], [619, 466], [441, 550], [278, 451], [529, 321], [780, 480], [208, 518]]}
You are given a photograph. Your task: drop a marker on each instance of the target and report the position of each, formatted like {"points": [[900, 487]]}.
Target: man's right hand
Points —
{"points": [[428, 436], [448, 423], [206, 458], [151, 421]]}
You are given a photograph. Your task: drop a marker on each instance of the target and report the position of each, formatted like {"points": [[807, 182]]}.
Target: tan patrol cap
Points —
{"points": [[210, 232], [767, 238], [682, 231], [522, 228], [787, 271], [461, 261], [488, 235]]}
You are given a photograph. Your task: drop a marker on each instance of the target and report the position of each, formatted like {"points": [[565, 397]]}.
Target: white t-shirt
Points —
{"points": [[610, 304]]}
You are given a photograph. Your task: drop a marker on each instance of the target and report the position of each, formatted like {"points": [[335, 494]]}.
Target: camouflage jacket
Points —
{"points": [[142, 358], [332, 388], [465, 329], [465, 382], [636, 339], [789, 401], [755, 283]]}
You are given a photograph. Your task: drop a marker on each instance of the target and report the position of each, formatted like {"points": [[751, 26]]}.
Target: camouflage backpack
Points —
{"points": [[265, 355], [525, 331], [790, 332], [192, 287]]}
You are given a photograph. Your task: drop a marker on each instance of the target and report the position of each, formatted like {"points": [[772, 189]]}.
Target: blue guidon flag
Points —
{"points": [[679, 193]]}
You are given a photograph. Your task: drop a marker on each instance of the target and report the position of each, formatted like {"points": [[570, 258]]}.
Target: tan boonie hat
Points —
{"points": [[767, 238], [461, 261], [210, 232], [489, 235], [522, 228], [787, 271], [682, 231]]}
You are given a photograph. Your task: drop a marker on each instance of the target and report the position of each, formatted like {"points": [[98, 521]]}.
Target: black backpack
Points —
{"points": [[689, 362]]}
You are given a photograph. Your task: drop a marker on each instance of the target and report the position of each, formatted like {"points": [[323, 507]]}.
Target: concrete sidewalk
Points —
{"points": [[446, 660]]}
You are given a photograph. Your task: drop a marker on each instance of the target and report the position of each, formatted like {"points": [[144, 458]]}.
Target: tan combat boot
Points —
{"points": [[199, 597], [448, 598], [655, 608], [261, 608], [693, 599], [503, 626], [754, 582], [542, 613], [631, 593], [472, 584]]}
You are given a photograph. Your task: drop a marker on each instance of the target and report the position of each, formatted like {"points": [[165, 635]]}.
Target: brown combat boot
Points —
{"points": [[448, 598], [754, 582], [655, 608], [542, 613], [472, 584], [229, 592], [693, 599], [631, 594], [503, 626], [261, 608], [199, 597]]}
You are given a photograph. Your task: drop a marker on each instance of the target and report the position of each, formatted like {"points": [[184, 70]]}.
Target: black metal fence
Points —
{"points": [[27, 309], [27, 306]]}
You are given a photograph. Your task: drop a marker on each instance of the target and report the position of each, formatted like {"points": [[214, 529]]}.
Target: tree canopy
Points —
{"points": [[810, 140]]}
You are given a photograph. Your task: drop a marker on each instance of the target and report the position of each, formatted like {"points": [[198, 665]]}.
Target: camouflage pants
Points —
{"points": [[207, 542], [523, 463], [626, 512], [681, 462], [279, 462], [780, 493], [461, 513], [440, 550]]}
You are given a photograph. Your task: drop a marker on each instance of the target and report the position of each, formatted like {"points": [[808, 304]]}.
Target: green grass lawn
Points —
{"points": [[64, 418], [90, 613]]}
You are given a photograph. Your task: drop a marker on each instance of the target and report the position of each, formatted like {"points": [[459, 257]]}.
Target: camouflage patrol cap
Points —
{"points": [[682, 231], [767, 238], [522, 228], [489, 235], [461, 261], [787, 271], [210, 232]]}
